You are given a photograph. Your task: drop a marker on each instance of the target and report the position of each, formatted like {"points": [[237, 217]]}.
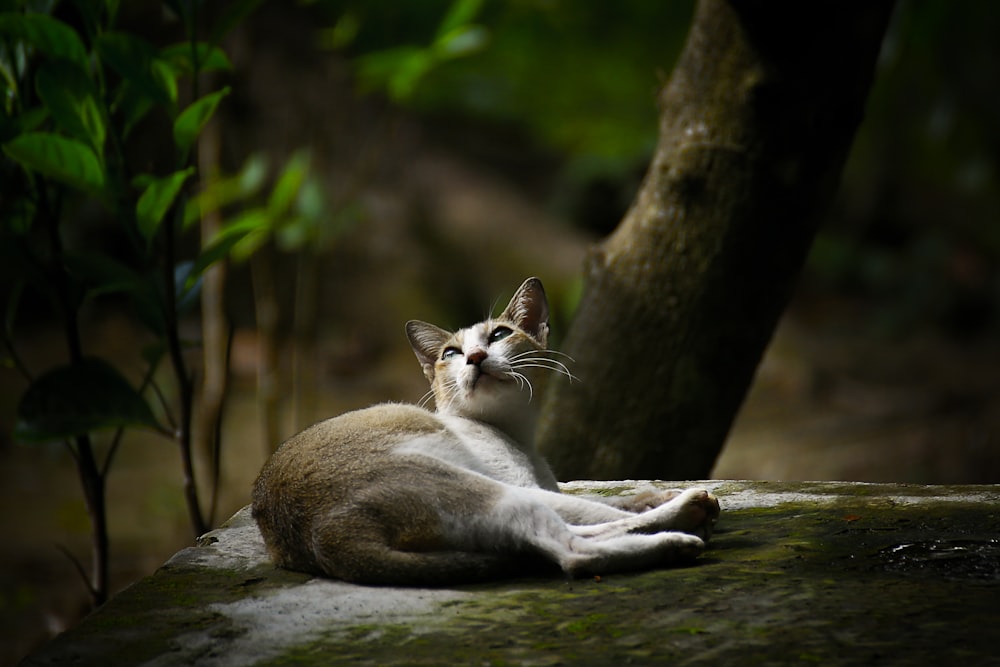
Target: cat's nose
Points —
{"points": [[475, 357]]}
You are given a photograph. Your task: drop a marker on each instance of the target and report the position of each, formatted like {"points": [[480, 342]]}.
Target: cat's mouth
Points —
{"points": [[478, 375]]}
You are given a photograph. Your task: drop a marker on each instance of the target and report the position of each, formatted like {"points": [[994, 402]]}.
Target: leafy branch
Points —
{"points": [[73, 99]]}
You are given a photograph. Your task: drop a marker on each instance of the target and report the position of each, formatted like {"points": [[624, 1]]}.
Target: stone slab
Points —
{"points": [[797, 573]]}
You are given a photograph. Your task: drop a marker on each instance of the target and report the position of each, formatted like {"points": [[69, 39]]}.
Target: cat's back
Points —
{"points": [[332, 459], [353, 440]]}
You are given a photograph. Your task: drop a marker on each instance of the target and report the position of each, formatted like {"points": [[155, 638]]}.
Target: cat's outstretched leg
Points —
{"points": [[693, 511], [439, 544], [626, 553], [530, 525], [646, 499]]}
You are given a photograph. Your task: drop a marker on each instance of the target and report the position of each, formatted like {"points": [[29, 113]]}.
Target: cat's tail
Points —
{"points": [[358, 547], [396, 538], [376, 564]]}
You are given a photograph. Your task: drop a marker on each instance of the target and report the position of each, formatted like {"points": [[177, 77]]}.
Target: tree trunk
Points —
{"points": [[682, 299]]}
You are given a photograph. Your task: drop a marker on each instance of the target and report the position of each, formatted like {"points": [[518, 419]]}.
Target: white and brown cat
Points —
{"points": [[396, 494]]}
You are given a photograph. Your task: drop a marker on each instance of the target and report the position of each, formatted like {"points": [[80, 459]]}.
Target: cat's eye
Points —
{"points": [[499, 334], [450, 352]]}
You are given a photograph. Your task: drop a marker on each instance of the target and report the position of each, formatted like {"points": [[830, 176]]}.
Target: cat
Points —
{"points": [[398, 495]]}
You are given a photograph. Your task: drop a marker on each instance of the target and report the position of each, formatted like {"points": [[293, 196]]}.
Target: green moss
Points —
{"points": [[586, 626], [607, 492], [794, 583]]}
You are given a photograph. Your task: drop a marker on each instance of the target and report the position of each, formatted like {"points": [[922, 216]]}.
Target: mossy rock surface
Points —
{"points": [[797, 573]]}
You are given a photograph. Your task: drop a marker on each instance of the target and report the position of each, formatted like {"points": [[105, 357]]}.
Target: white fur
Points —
{"points": [[523, 520], [579, 534], [395, 493], [483, 390]]}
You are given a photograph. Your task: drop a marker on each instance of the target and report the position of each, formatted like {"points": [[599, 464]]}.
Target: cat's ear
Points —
{"points": [[426, 341], [529, 310]]}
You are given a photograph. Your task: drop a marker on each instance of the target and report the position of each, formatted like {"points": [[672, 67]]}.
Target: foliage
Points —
{"points": [[399, 69], [82, 98], [580, 80], [84, 397], [75, 88], [912, 230], [294, 213]]}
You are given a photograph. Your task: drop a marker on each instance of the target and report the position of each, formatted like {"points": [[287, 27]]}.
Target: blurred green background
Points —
{"points": [[914, 228]]}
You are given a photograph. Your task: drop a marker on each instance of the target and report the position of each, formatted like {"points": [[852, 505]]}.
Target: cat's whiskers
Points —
{"points": [[533, 359], [425, 399], [523, 360], [522, 382], [451, 387], [527, 353], [546, 351]]}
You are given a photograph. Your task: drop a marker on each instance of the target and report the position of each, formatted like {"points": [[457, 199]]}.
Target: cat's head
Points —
{"points": [[484, 371]]}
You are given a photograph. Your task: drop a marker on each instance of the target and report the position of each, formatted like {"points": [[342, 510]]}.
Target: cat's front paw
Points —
{"points": [[697, 512]]}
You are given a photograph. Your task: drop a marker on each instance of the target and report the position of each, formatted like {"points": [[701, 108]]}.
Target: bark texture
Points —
{"points": [[682, 299]]}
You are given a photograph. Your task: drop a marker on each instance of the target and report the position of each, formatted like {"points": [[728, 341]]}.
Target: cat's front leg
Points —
{"points": [[693, 511], [646, 499], [579, 510]]}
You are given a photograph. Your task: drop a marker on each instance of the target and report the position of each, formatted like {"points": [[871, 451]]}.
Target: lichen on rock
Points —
{"points": [[796, 572]]}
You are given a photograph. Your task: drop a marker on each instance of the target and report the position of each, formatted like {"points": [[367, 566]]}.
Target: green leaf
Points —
{"points": [[101, 274], [462, 41], [310, 202], [216, 251], [26, 121], [252, 175], [157, 199], [91, 18], [459, 15], [210, 58], [397, 70], [79, 398], [249, 244], [133, 105], [190, 121], [8, 84], [32, 119], [46, 34], [65, 160], [254, 223], [343, 32], [294, 234], [112, 7], [227, 190], [137, 61], [234, 13], [71, 99], [289, 183]]}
